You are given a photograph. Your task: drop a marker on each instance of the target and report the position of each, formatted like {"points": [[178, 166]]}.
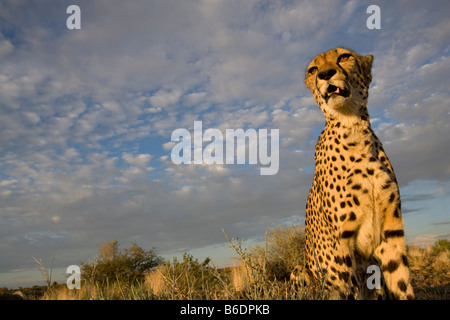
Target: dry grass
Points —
{"points": [[155, 282], [240, 278], [261, 272], [430, 273]]}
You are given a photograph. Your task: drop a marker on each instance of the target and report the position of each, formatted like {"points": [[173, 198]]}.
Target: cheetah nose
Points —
{"points": [[326, 75]]}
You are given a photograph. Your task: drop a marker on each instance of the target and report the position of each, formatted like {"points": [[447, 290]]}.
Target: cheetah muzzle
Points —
{"points": [[334, 90], [353, 213]]}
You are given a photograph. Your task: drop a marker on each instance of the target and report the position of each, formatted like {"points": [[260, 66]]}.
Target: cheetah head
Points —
{"points": [[339, 80]]}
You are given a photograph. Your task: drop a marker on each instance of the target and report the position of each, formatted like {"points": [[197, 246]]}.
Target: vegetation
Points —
{"points": [[261, 272], [284, 250], [128, 267], [187, 279], [441, 245], [430, 269]]}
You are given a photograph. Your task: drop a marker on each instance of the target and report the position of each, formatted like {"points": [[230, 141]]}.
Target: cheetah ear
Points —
{"points": [[367, 62], [367, 67]]}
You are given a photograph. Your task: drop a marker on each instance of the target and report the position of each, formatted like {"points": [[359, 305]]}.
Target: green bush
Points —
{"points": [[189, 279], [128, 266], [441, 245], [264, 271], [284, 249]]}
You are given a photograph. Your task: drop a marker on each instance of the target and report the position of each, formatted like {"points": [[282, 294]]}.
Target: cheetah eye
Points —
{"points": [[312, 70], [344, 57]]}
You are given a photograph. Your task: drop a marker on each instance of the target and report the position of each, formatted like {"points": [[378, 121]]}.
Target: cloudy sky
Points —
{"points": [[87, 117]]}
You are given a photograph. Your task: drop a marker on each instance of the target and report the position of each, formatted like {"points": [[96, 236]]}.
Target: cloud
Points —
{"points": [[440, 223], [427, 239], [162, 99], [418, 151], [195, 98], [5, 48], [138, 161]]}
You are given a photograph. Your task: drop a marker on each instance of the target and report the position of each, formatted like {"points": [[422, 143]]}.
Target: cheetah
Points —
{"points": [[353, 212]]}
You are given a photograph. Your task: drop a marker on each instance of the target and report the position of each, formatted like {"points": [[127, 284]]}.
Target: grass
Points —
{"points": [[261, 272], [430, 270]]}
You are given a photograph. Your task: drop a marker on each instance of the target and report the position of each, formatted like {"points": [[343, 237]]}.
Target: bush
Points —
{"points": [[285, 249], [441, 245], [128, 266], [264, 270], [188, 279]]}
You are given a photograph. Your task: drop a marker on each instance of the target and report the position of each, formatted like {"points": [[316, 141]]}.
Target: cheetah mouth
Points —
{"points": [[334, 90]]}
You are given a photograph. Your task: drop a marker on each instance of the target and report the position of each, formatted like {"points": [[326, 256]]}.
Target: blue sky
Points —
{"points": [[87, 116]]}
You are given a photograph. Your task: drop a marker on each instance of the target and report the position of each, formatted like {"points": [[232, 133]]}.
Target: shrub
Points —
{"points": [[441, 245], [188, 279], [128, 266], [264, 270], [284, 250]]}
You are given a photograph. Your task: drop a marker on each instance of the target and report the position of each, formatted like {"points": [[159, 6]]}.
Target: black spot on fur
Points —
{"points": [[402, 285], [405, 260], [344, 276], [356, 200], [348, 261], [347, 234], [393, 233], [391, 198], [391, 266]]}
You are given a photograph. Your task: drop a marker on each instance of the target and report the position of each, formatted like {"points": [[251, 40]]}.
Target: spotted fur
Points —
{"points": [[353, 213]]}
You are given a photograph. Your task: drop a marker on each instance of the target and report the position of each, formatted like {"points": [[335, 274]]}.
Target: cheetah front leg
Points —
{"points": [[392, 251], [348, 275]]}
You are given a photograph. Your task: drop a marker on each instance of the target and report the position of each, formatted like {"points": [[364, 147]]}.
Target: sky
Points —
{"points": [[86, 118]]}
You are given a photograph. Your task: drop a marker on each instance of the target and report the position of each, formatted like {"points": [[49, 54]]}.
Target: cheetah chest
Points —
{"points": [[346, 163]]}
